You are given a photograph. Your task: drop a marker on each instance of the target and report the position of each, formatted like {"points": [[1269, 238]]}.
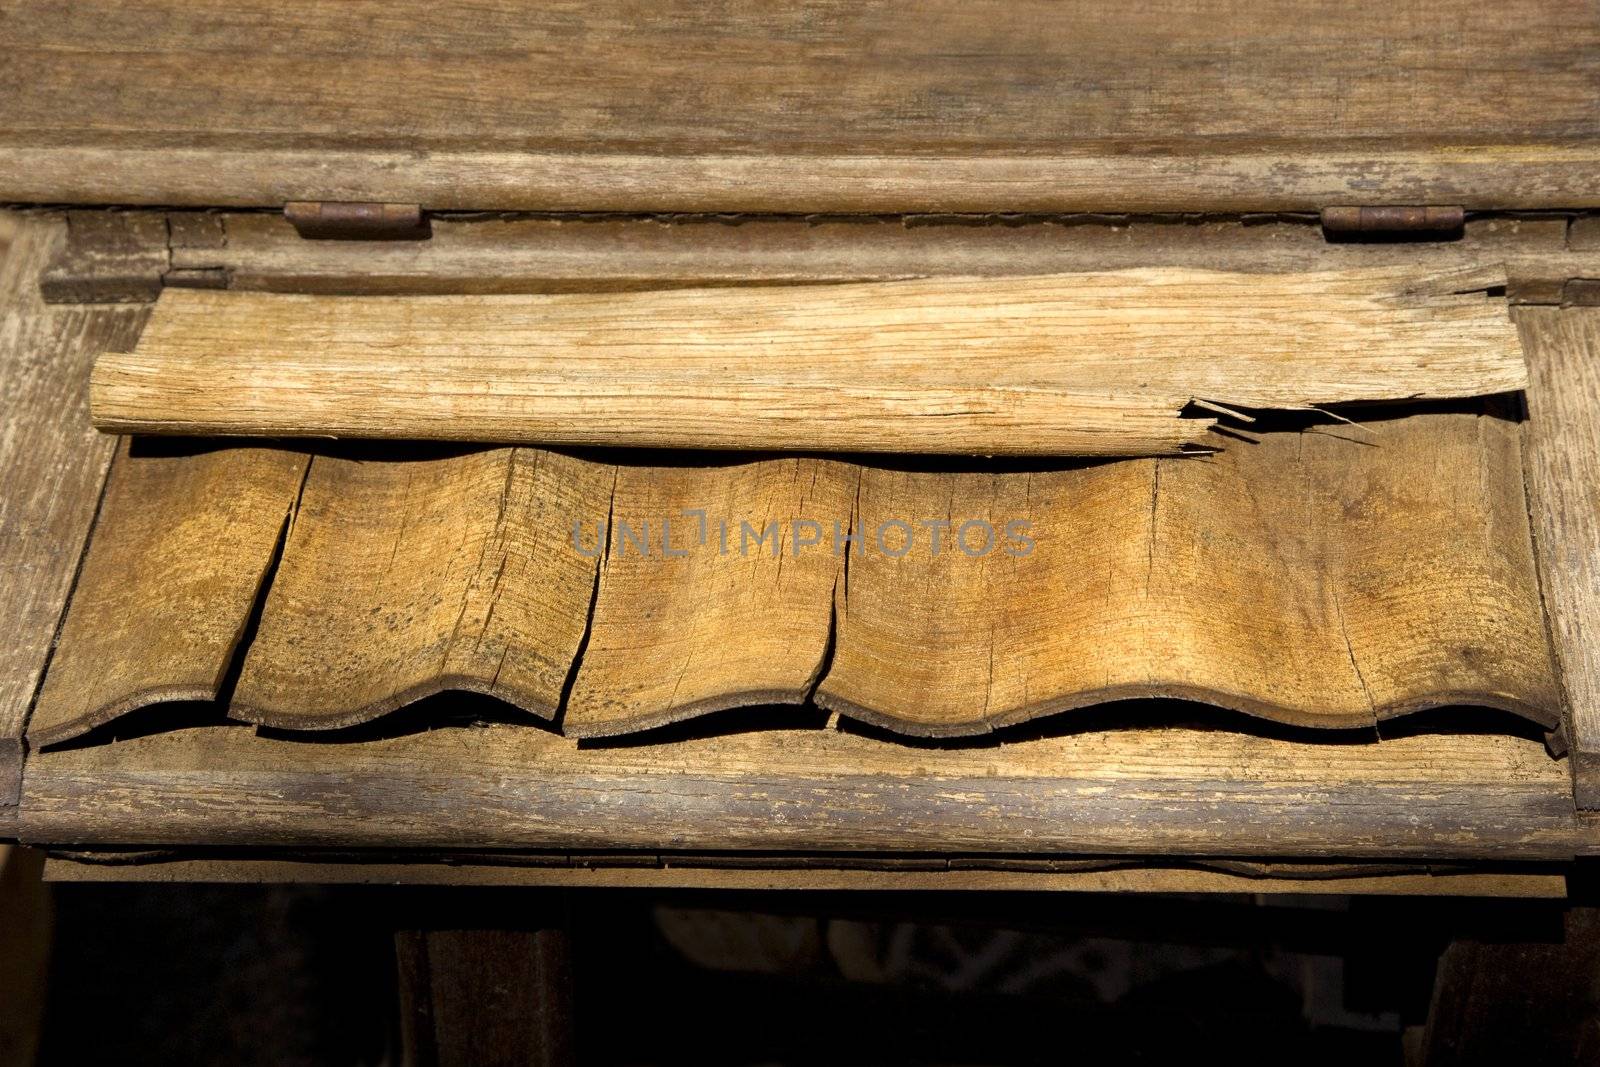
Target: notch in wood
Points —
{"points": [[321, 220], [1393, 223]]}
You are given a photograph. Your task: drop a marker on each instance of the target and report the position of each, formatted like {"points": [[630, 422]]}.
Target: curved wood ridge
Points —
{"points": [[1327, 577], [1055, 365]]}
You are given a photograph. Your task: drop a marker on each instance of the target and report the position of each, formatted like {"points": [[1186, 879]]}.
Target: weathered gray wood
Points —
{"points": [[260, 251], [765, 106], [1563, 461], [1152, 791], [52, 463]]}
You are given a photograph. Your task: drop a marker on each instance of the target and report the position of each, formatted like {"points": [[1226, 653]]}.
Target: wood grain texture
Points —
{"points": [[1048, 365], [1112, 879], [1329, 578], [1563, 458], [742, 617], [184, 543], [1333, 576], [51, 463], [1148, 791], [259, 251], [401, 579], [765, 106]]}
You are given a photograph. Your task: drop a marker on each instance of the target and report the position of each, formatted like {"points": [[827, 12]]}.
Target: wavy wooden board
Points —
{"points": [[1078, 364], [182, 545], [739, 619], [401, 579], [1328, 577]]}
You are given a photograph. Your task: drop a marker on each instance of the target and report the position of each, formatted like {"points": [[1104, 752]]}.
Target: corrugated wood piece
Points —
{"points": [[740, 618], [184, 542], [768, 106], [51, 463], [1327, 578], [1053, 365], [1145, 791], [1563, 459], [400, 579]]}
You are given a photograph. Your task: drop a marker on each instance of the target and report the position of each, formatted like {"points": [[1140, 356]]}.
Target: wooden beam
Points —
{"points": [[1018, 105], [1151, 791], [1098, 365], [1137, 878], [1563, 459]]}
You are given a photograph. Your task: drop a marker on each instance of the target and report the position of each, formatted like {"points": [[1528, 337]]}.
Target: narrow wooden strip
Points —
{"points": [[183, 543], [403, 578], [1563, 458], [1535, 884], [1068, 364], [1288, 175], [260, 251], [739, 612], [1325, 578], [1151, 791], [51, 464]]}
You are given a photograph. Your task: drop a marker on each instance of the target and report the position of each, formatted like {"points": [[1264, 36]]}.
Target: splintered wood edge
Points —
{"points": [[170, 384]]}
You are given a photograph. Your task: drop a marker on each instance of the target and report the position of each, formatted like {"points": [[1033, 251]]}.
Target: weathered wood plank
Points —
{"points": [[257, 251], [1563, 458], [1329, 578], [1053, 365], [407, 577], [1149, 791], [1120, 878], [709, 596], [184, 542], [52, 464], [763, 106]]}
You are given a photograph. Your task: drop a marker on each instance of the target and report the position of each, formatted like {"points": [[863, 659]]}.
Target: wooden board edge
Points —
{"points": [[1477, 176], [1155, 879]]}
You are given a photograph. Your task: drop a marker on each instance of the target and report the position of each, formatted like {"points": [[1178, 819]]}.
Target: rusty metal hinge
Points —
{"points": [[321, 220], [1393, 223]]}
